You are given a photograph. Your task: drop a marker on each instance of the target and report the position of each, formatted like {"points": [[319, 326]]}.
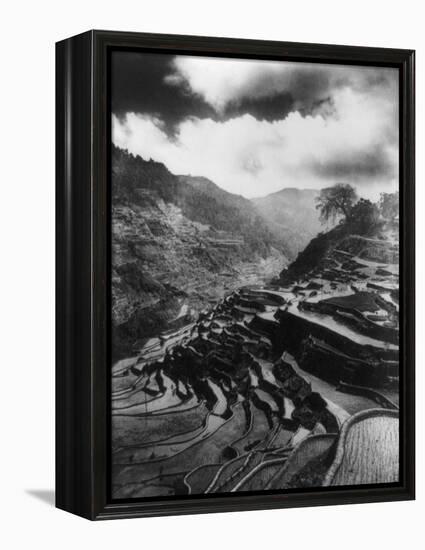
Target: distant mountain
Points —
{"points": [[179, 243], [204, 201], [291, 216]]}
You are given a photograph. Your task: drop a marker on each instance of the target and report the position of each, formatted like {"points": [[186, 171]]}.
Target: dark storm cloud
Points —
{"points": [[138, 85], [360, 166], [276, 107], [254, 126], [270, 90], [308, 89], [143, 83], [306, 86]]}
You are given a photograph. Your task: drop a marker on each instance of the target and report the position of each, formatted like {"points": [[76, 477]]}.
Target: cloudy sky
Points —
{"points": [[254, 127]]}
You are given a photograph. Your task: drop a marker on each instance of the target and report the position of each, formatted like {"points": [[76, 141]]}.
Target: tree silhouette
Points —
{"points": [[334, 201], [364, 217]]}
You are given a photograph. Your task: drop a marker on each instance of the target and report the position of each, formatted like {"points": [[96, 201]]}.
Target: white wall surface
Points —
{"points": [[29, 30]]}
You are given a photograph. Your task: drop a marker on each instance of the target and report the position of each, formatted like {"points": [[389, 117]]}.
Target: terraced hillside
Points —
{"points": [[255, 393], [236, 378], [178, 245], [348, 312]]}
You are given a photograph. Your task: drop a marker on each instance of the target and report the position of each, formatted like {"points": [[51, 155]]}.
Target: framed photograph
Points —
{"points": [[235, 274]]}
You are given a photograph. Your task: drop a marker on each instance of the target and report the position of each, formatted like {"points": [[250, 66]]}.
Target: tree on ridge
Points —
{"points": [[334, 201]]}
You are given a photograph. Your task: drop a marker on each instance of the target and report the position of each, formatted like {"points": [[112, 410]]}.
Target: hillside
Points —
{"points": [[179, 243], [271, 388], [292, 216], [379, 243], [280, 386], [203, 201]]}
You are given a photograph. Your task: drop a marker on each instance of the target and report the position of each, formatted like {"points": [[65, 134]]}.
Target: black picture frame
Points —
{"points": [[82, 272]]}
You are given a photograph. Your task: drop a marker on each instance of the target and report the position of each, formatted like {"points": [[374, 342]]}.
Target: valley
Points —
{"points": [[250, 350], [256, 392], [180, 243]]}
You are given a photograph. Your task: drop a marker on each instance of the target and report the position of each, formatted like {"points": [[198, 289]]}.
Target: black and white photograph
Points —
{"points": [[212, 231], [254, 275]]}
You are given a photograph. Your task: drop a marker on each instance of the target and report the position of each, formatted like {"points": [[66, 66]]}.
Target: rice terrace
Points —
{"points": [[255, 276]]}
